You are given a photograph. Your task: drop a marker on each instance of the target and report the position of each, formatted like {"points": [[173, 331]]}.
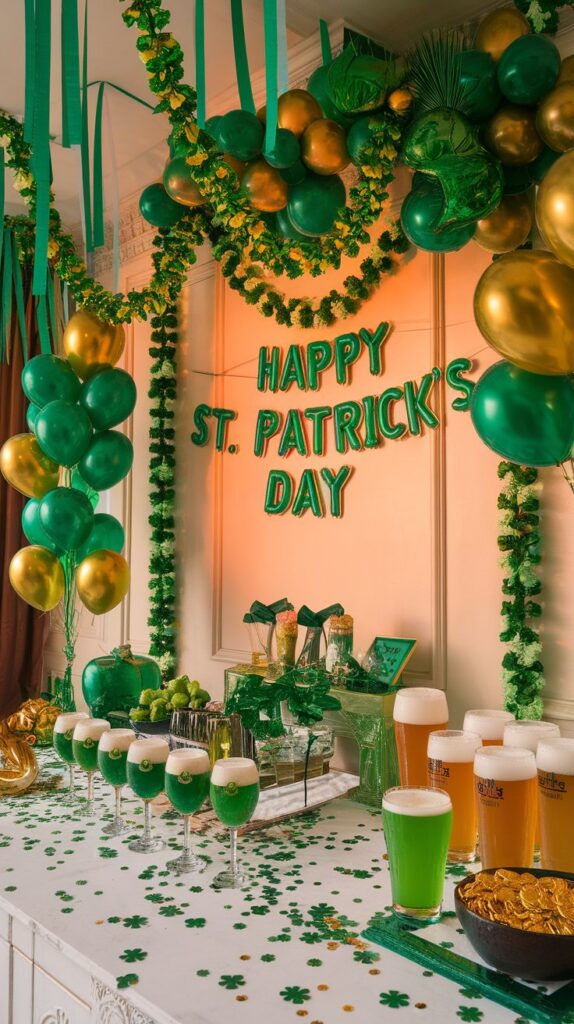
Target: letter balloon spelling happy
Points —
{"points": [[71, 549]]}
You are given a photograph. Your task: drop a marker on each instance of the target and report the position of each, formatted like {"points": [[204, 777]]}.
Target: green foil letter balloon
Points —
{"points": [[106, 533], [313, 204], [108, 460], [67, 517], [109, 397], [46, 378], [114, 682], [524, 417], [64, 431]]}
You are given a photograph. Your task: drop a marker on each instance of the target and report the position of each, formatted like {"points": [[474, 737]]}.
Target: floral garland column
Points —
{"points": [[162, 581]]}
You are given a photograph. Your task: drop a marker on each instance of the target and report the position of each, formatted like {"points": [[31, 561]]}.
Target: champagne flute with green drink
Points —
{"points": [[234, 792], [112, 762], [146, 776], [85, 740], [417, 823], [63, 732], [186, 786]]}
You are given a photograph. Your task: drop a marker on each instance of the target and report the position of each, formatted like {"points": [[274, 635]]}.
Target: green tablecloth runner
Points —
{"points": [[286, 949]]}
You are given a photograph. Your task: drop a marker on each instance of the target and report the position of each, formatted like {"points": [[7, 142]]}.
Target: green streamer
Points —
{"points": [[41, 140], [52, 308], [270, 19], [200, 61], [241, 62], [326, 55], [124, 92], [19, 293], [30, 43], [42, 321], [71, 97], [85, 146], [2, 196], [7, 290], [282, 67], [98, 181]]}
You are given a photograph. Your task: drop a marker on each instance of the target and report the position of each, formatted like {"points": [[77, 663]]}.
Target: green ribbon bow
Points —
{"points": [[260, 612], [310, 619]]}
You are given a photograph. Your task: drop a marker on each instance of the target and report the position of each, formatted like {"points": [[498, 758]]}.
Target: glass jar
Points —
{"points": [[286, 638], [261, 640], [275, 761], [339, 643], [311, 650]]}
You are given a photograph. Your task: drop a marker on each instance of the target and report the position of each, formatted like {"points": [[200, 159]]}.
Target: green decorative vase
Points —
{"points": [[114, 683]]}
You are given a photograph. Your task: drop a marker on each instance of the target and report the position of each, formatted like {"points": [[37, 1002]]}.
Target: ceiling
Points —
{"points": [[137, 135]]}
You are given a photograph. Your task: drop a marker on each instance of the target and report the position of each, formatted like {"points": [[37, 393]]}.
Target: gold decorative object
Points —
{"points": [[507, 227], [499, 29], [90, 343], [400, 101], [566, 70], [266, 189], [522, 900], [102, 580], [18, 764], [179, 184], [555, 117], [297, 109], [323, 147], [555, 208], [35, 718], [24, 465], [512, 136], [37, 577]]}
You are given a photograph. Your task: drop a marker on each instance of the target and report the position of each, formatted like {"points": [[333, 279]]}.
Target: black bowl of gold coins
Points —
{"points": [[520, 920]]}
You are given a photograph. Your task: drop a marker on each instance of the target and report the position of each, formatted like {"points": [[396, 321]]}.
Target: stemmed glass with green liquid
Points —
{"points": [[112, 762], [186, 786], [234, 792], [85, 740], [63, 732], [146, 776]]}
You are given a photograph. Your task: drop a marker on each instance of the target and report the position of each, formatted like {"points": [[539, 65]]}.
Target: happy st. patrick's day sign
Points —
{"points": [[352, 425]]}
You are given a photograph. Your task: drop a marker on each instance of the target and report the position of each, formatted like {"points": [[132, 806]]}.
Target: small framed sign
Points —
{"points": [[387, 657]]}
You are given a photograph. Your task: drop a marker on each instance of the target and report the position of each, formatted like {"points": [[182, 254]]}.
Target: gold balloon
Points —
{"points": [[90, 343], [19, 765], [24, 465], [400, 101], [37, 577], [499, 29], [236, 165], [566, 70], [507, 227], [297, 109], [555, 118], [102, 580], [179, 186], [511, 135], [524, 307], [323, 147], [262, 114], [555, 208], [266, 189]]}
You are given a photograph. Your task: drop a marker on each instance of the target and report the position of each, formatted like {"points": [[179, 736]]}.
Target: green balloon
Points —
{"points": [[108, 460], [33, 529], [67, 517], [317, 86], [82, 485], [240, 133], [524, 417], [314, 203], [63, 431], [362, 135], [158, 208], [286, 150], [47, 377], [528, 69], [108, 397], [481, 96], [538, 168], [516, 179], [420, 214], [212, 125], [33, 410], [106, 533], [286, 228], [443, 143], [295, 174]]}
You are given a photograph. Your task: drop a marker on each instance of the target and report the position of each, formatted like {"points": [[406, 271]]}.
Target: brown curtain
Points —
{"points": [[22, 629]]}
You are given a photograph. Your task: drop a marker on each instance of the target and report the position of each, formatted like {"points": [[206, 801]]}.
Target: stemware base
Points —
{"points": [[185, 863], [117, 827], [230, 880], [145, 845]]}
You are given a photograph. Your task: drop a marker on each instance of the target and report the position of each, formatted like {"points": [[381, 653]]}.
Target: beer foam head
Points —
{"points": [[487, 722], [504, 764], [190, 759], [68, 721], [90, 728], [453, 745], [556, 755], [420, 705], [117, 739], [416, 801], [526, 733], [154, 749], [241, 770]]}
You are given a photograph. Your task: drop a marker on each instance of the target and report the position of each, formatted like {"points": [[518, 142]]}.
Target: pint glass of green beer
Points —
{"points": [[417, 823]]}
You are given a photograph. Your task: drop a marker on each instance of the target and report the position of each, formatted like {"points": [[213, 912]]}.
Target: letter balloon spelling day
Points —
{"points": [[71, 453]]}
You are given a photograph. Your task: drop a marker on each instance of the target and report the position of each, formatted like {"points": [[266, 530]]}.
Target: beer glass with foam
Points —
{"points": [[112, 762], [146, 776], [418, 711], [555, 763], [234, 792], [417, 823], [85, 739], [451, 767], [186, 786], [63, 732], [527, 733], [505, 780], [488, 723]]}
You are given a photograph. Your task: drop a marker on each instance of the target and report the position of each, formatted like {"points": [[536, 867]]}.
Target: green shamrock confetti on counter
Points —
{"points": [[195, 922], [135, 922], [394, 999], [232, 981], [470, 1013], [133, 956], [295, 994], [125, 980]]}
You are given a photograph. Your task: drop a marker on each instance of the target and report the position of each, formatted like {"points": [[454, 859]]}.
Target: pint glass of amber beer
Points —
{"points": [[418, 711], [451, 767], [555, 763], [506, 790], [488, 723]]}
